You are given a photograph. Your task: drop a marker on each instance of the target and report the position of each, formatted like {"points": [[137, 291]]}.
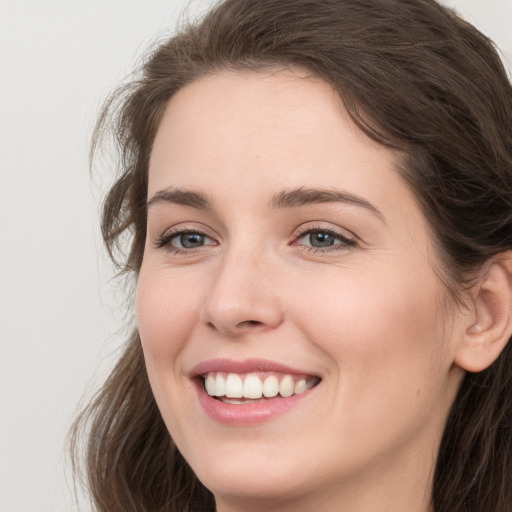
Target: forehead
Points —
{"points": [[246, 123], [243, 137]]}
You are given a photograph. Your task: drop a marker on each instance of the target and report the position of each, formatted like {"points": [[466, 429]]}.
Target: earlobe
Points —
{"points": [[491, 322]]}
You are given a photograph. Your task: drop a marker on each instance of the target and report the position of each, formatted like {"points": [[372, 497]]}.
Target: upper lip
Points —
{"points": [[245, 366]]}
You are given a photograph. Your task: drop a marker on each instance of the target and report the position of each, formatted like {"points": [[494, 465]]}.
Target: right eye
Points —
{"points": [[188, 240], [184, 241]]}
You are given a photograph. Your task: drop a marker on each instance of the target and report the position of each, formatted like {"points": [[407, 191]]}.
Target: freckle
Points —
{"points": [[418, 392]]}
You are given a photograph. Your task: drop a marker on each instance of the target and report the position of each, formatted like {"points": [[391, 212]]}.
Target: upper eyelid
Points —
{"points": [[335, 234], [344, 242], [189, 228], [317, 226], [298, 232], [163, 240]]}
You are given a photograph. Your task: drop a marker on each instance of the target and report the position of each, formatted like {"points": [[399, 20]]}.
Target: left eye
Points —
{"points": [[323, 239], [190, 240]]}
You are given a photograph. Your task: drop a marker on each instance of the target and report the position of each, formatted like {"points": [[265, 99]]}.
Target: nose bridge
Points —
{"points": [[242, 295]]}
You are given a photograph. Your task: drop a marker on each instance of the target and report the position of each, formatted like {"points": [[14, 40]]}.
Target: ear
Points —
{"points": [[490, 324]]}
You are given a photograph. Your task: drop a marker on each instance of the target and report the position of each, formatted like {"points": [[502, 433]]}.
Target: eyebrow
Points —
{"points": [[293, 198], [304, 196], [182, 197]]}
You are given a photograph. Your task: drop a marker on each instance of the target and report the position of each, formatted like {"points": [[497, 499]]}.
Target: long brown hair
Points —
{"points": [[413, 76]]}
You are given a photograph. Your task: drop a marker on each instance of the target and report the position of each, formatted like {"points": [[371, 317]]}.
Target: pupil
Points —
{"points": [[321, 239], [191, 240]]}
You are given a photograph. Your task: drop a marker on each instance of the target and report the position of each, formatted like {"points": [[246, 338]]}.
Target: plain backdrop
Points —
{"points": [[60, 312]]}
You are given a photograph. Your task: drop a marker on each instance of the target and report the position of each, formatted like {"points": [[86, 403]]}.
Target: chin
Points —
{"points": [[250, 476]]}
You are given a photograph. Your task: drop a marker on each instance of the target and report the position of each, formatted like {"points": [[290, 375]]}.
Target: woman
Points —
{"points": [[319, 197]]}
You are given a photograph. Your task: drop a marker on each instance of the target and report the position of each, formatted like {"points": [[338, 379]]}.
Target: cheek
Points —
{"points": [[388, 358], [382, 332], [165, 314]]}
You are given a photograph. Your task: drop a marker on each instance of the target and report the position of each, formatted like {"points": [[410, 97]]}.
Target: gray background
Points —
{"points": [[59, 312]]}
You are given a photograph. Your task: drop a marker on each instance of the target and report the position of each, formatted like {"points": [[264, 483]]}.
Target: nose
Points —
{"points": [[243, 296]]}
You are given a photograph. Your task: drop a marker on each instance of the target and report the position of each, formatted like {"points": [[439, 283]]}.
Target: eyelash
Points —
{"points": [[164, 241], [344, 243]]}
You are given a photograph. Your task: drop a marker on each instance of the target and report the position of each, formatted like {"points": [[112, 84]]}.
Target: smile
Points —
{"points": [[255, 386], [252, 391]]}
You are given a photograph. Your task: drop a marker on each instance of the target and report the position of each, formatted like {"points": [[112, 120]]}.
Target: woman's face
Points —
{"points": [[285, 255]]}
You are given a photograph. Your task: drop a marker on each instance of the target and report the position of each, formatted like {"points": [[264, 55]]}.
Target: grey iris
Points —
{"points": [[321, 239], [191, 240]]}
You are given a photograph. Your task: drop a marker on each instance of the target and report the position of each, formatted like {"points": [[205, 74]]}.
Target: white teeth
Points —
{"points": [[252, 387], [270, 387], [220, 385], [234, 386], [286, 386], [300, 386], [209, 384]]}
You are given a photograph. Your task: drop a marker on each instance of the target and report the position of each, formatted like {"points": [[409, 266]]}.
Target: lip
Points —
{"points": [[250, 413], [246, 366]]}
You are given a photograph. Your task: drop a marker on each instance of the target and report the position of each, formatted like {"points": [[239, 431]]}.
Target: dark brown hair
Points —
{"points": [[413, 76]]}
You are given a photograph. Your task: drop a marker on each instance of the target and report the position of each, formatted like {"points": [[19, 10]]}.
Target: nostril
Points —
{"points": [[245, 323], [249, 323]]}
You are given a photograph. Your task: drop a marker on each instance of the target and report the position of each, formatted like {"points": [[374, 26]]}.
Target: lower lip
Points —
{"points": [[247, 414]]}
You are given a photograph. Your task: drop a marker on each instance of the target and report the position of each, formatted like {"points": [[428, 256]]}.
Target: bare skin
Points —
{"points": [[342, 288]]}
